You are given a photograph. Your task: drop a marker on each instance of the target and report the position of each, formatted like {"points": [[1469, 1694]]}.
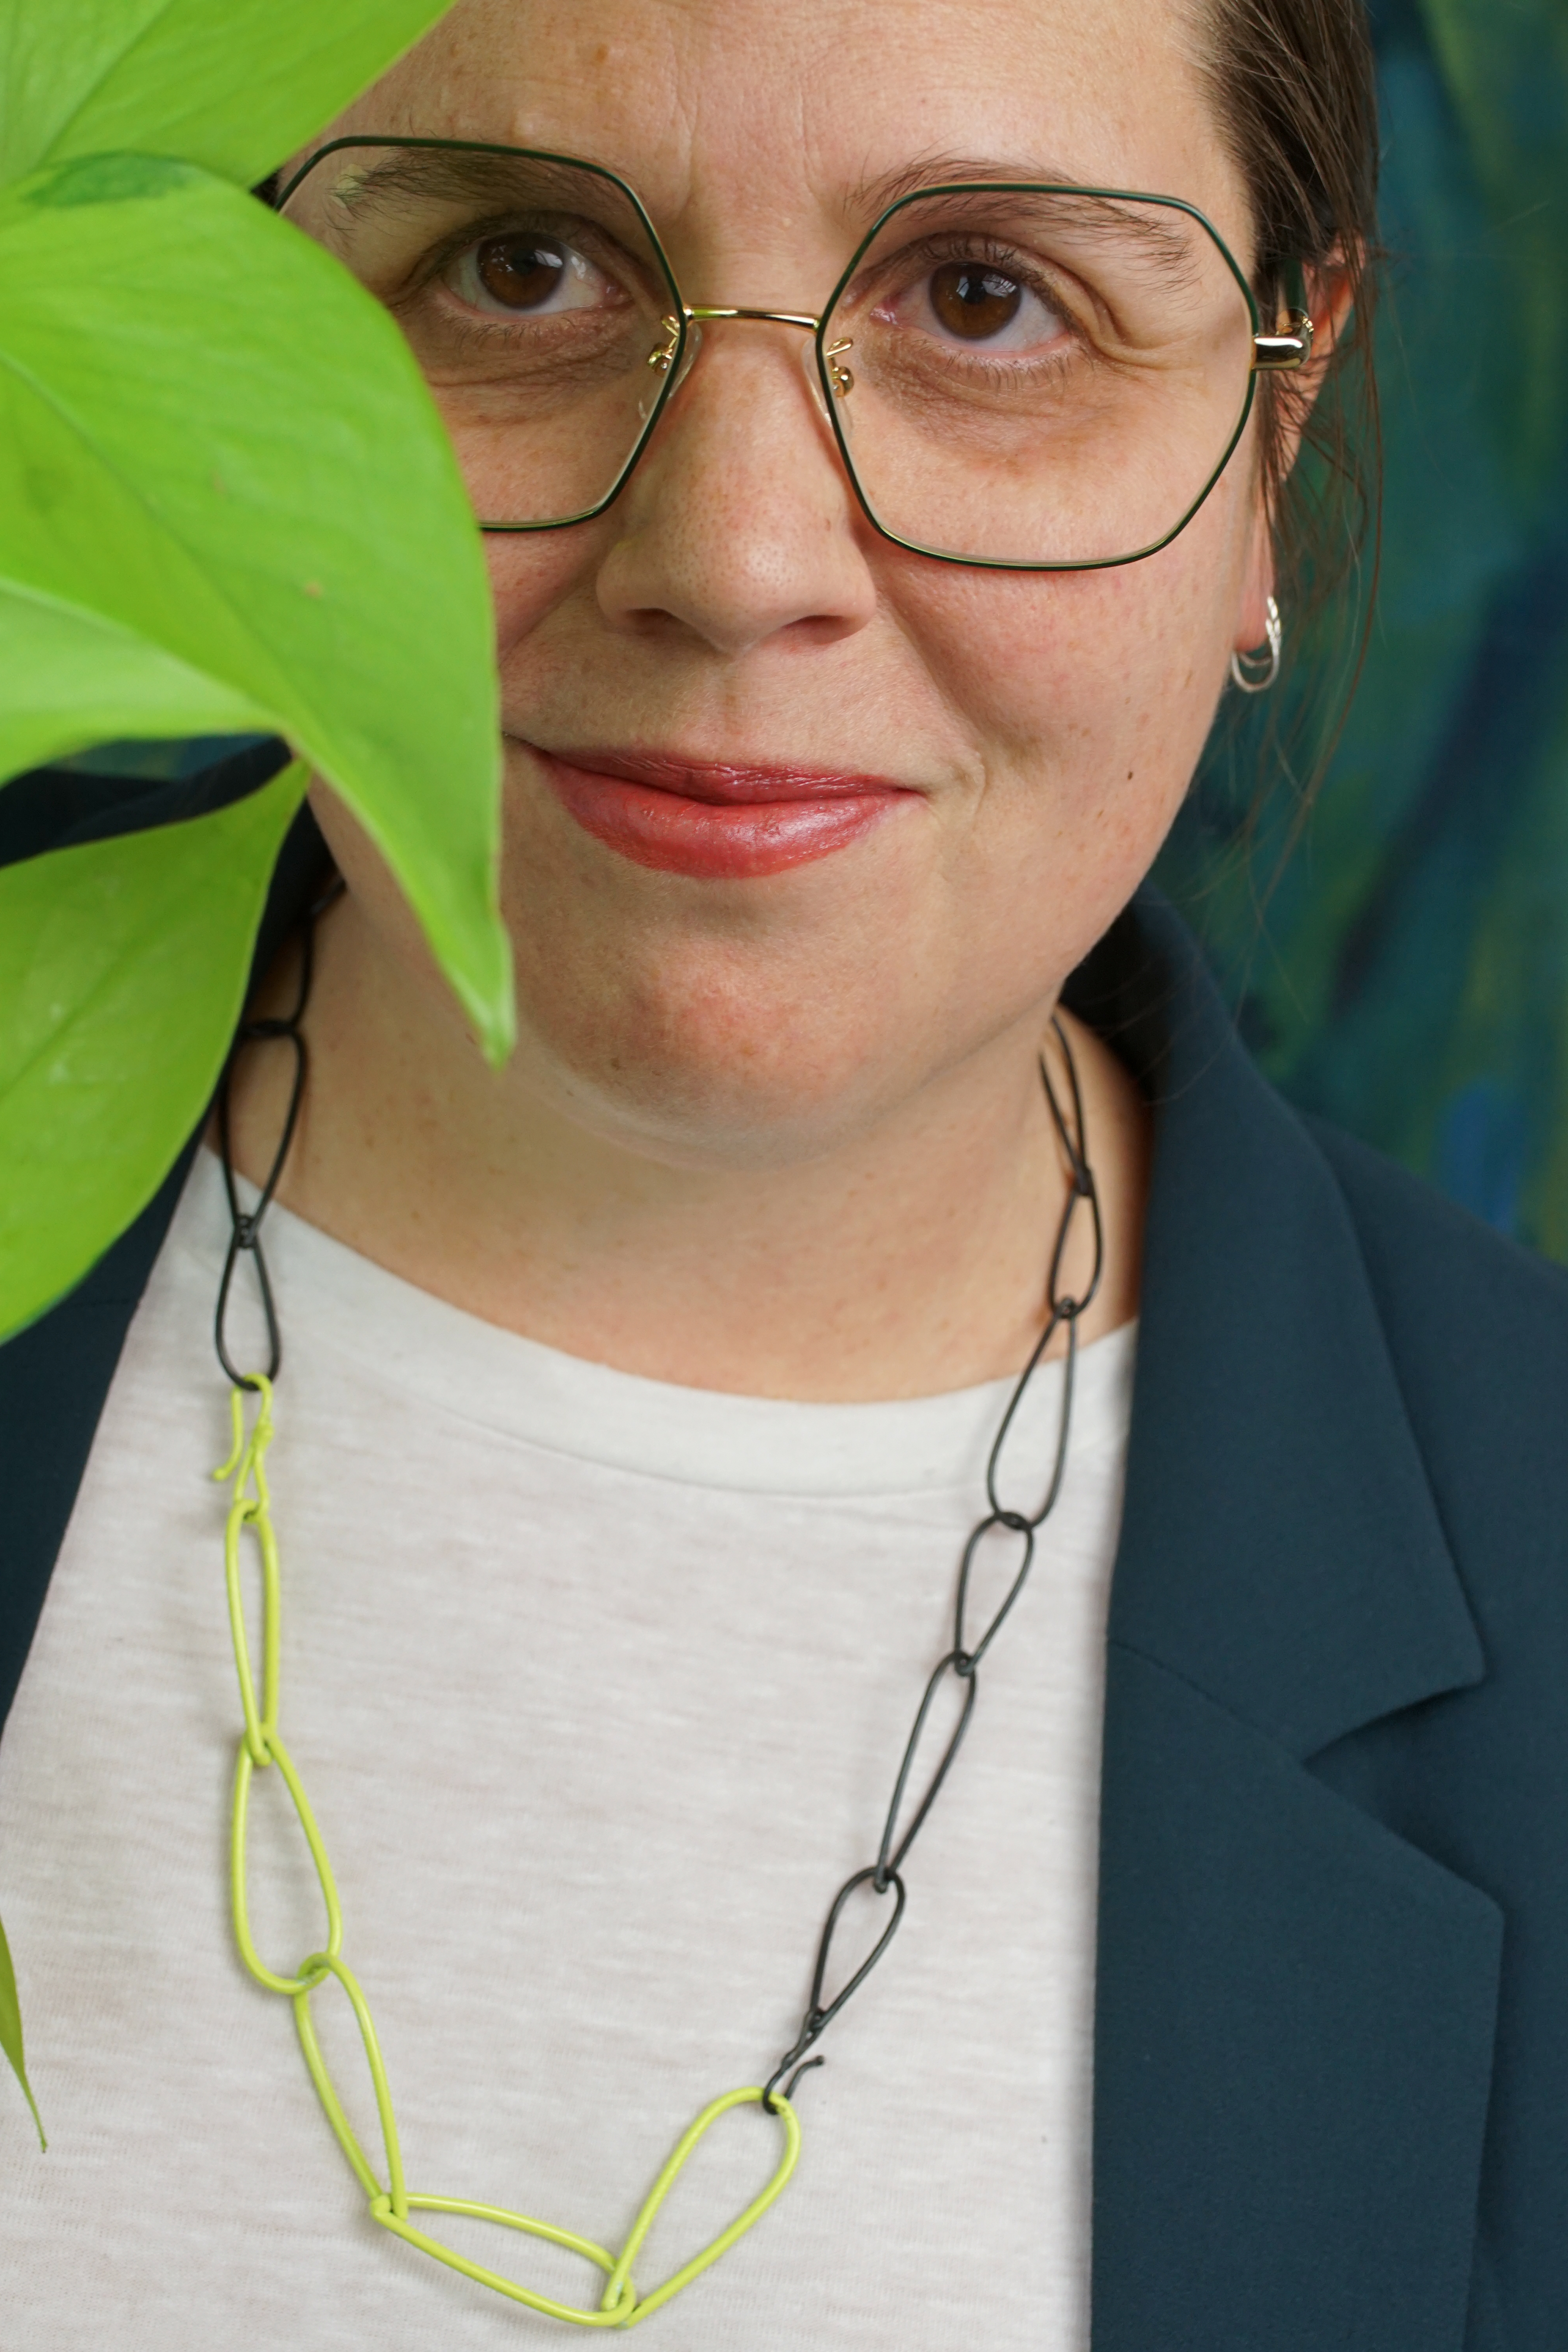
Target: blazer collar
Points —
{"points": [[1281, 1550], [1295, 2007]]}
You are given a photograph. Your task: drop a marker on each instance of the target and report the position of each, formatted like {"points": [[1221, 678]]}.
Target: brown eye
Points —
{"points": [[521, 273], [973, 301]]}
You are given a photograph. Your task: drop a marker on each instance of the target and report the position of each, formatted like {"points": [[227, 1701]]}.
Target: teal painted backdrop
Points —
{"points": [[1407, 974]]}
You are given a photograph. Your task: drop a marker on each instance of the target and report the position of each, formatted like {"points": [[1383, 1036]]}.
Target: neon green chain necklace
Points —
{"points": [[391, 2201]]}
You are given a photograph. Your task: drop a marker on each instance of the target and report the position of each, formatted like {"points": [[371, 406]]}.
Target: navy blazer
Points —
{"points": [[1331, 2039]]}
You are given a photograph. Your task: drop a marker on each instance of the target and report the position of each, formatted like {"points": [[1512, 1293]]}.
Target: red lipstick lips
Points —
{"points": [[711, 820]]}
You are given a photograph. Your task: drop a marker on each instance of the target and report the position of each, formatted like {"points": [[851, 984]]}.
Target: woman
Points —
{"points": [[638, 1401]]}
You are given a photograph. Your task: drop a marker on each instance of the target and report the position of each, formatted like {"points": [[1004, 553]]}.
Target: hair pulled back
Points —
{"points": [[1295, 85]]}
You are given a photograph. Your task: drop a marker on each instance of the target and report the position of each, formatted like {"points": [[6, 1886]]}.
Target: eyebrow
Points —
{"points": [[1165, 244], [405, 170], [939, 171]]}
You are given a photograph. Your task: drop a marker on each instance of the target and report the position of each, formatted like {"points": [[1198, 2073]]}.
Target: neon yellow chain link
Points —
{"points": [[391, 2204]]}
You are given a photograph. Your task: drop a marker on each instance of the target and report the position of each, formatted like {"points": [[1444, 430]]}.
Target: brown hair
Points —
{"points": [[1295, 85]]}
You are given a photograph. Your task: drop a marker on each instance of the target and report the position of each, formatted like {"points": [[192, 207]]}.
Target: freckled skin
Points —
{"points": [[776, 1104]]}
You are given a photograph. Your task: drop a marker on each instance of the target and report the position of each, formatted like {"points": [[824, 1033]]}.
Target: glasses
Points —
{"points": [[1035, 377]]}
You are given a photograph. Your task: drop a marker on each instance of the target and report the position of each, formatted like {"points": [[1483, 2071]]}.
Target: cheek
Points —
{"points": [[536, 575], [1088, 698], [1040, 663]]}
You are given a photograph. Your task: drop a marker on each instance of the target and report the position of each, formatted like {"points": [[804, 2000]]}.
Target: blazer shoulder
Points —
{"points": [[1427, 1257], [1477, 1327]]}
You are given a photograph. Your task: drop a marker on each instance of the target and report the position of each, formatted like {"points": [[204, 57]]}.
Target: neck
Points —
{"points": [[909, 1259]]}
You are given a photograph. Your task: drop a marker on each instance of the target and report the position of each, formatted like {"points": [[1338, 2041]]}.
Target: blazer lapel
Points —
{"points": [[1295, 2007]]}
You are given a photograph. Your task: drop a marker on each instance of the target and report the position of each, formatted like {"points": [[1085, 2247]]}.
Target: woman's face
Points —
{"points": [[733, 606]]}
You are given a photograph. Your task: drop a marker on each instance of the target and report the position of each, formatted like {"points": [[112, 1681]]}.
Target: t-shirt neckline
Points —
{"points": [[375, 1324]]}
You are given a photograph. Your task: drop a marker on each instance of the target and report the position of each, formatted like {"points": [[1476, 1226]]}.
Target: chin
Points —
{"points": [[699, 1067], [696, 1097]]}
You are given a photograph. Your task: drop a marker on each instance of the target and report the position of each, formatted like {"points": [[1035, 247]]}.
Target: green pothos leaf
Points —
{"points": [[236, 85], [123, 966], [11, 2030], [216, 453], [72, 679]]}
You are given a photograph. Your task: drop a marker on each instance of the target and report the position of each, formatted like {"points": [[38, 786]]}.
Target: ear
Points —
{"points": [[1330, 289]]}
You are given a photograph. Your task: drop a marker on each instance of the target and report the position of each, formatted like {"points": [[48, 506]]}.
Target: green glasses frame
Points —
{"points": [[1288, 349]]}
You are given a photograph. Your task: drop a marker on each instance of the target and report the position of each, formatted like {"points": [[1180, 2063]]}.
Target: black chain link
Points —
{"points": [[962, 1661], [245, 1224]]}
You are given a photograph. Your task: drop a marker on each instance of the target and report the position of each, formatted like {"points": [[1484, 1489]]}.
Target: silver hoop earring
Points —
{"points": [[1255, 681]]}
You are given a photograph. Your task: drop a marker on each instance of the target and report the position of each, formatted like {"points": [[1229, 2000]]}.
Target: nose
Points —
{"points": [[739, 525]]}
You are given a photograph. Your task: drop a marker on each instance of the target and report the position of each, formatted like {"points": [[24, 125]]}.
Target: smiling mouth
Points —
{"points": [[711, 820]]}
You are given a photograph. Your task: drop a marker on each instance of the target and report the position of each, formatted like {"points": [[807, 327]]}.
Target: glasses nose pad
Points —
{"points": [[658, 360], [834, 348], [688, 357], [813, 376]]}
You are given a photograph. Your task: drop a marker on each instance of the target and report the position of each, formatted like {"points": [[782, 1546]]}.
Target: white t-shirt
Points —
{"points": [[599, 1689]]}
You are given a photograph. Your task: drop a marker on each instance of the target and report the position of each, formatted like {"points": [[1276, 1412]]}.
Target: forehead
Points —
{"points": [[750, 110]]}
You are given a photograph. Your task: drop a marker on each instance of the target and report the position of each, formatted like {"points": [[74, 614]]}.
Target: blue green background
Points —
{"points": [[1405, 973], [1404, 969]]}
